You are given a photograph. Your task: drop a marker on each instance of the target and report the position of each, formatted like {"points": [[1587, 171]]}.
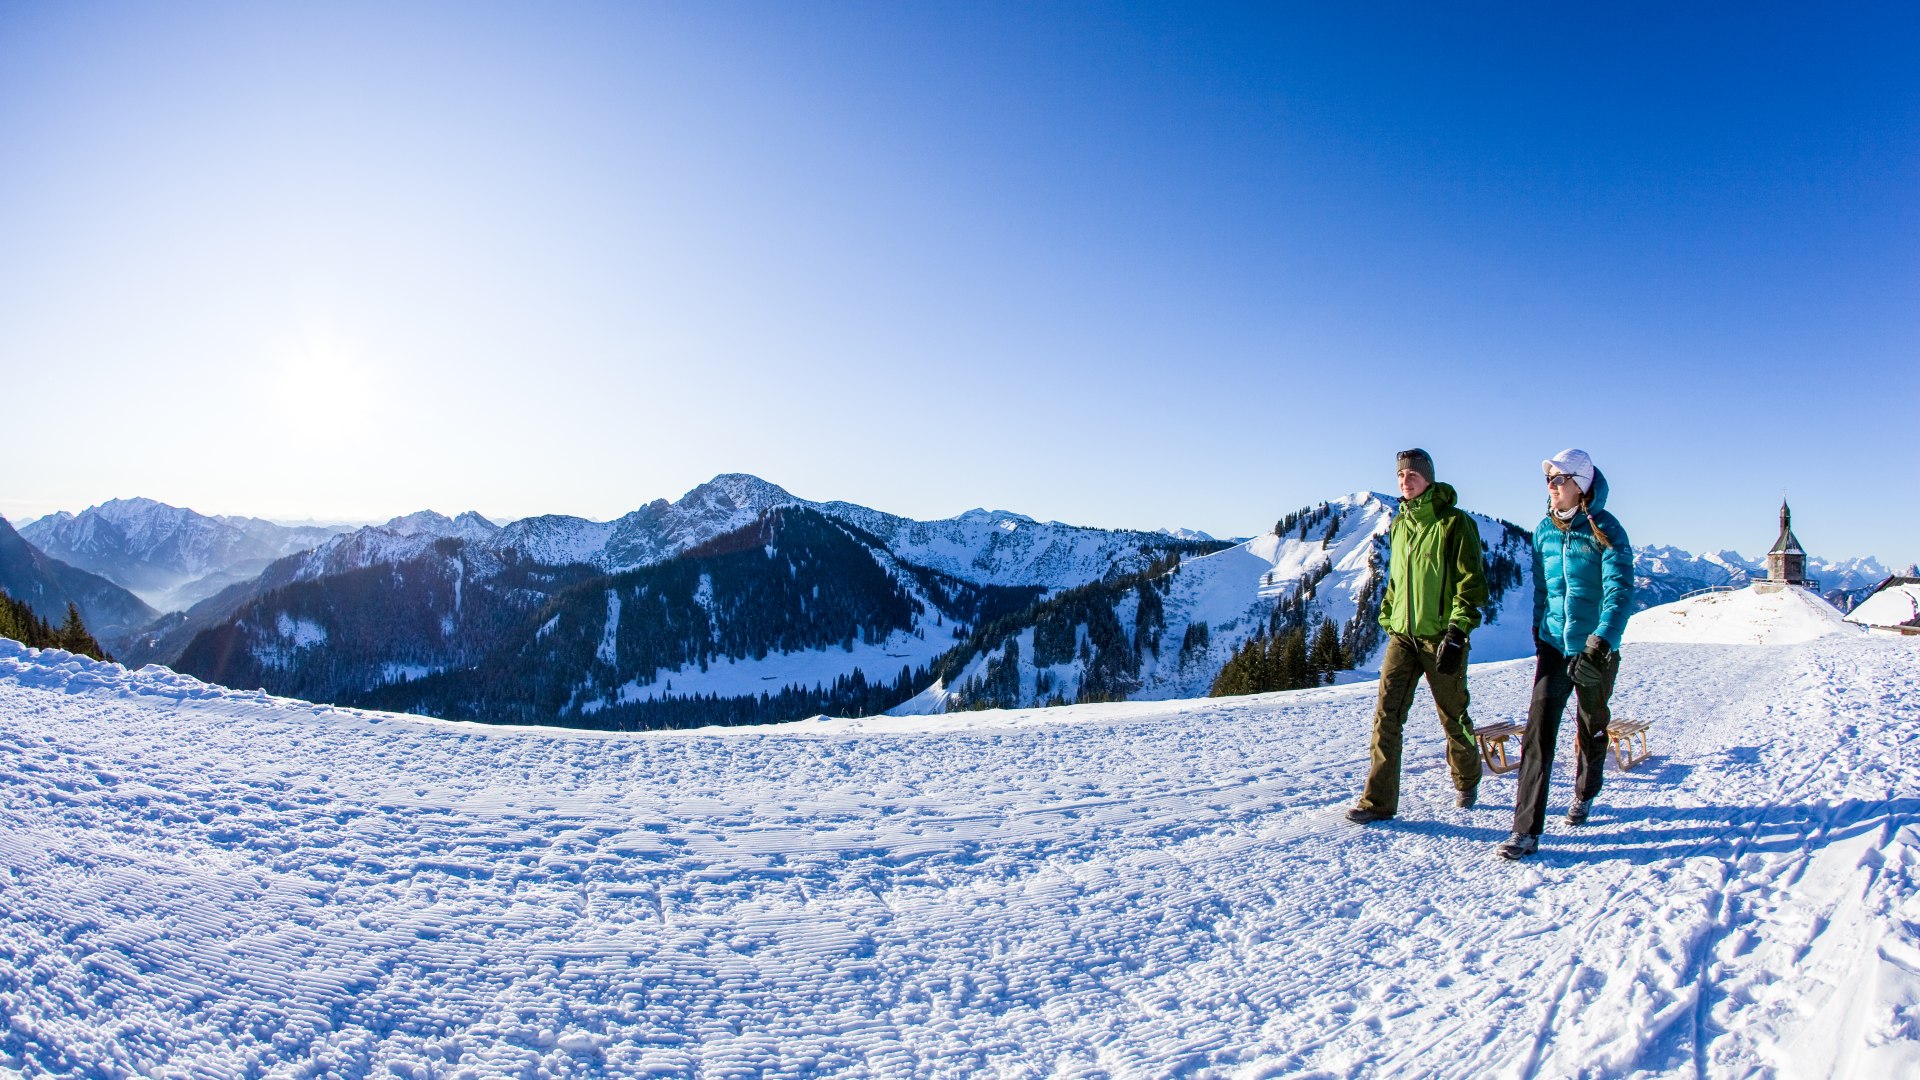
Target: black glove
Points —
{"points": [[1589, 667], [1453, 646]]}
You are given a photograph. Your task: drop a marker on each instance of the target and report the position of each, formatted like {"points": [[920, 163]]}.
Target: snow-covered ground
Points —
{"points": [[1750, 616], [203, 882], [809, 668]]}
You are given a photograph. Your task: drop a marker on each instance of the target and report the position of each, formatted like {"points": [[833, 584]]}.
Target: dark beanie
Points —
{"points": [[1415, 460]]}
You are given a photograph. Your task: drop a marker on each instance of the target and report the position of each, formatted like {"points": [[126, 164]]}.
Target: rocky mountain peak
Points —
{"points": [[729, 492], [979, 514], [471, 525], [120, 509], [434, 523]]}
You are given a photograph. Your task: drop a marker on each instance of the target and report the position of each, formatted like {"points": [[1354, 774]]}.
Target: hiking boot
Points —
{"points": [[1518, 846], [1467, 799], [1361, 815], [1577, 813]]}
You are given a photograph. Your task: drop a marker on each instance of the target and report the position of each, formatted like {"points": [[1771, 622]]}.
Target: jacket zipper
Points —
{"points": [[1566, 589]]}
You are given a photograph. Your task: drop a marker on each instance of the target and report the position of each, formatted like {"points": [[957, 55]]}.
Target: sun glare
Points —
{"points": [[322, 385]]}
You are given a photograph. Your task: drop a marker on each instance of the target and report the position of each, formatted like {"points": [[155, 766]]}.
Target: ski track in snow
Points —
{"points": [[201, 882]]}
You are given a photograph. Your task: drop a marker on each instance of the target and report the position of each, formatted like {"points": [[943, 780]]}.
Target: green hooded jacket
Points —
{"points": [[1436, 575]]}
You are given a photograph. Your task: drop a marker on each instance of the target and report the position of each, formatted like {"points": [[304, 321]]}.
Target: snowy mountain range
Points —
{"points": [[531, 559], [981, 546], [406, 616], [805, 610], [168, 556], [795, 614], [1169, 636], [1003, 609], [48, 585], [1665, 574]]}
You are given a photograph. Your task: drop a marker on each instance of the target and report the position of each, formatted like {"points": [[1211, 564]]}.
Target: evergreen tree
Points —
{"points": [[1326, 656], [1290, 667], [1149, 619], [1232, 679], [1265, 663], [1362, 633], [18, 621], [1196, 639]]}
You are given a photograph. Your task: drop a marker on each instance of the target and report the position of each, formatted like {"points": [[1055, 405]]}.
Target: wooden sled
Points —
{"points": [[1629, 741], [1627, 737], [1493, 745]]}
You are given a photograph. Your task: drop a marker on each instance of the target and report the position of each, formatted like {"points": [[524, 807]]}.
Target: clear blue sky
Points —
{"points": [[1123, 265]]}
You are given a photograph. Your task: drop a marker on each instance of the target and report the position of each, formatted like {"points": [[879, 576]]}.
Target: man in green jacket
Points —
{"points": [[1436, 585]]}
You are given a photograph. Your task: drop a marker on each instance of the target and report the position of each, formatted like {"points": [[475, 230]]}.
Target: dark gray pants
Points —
{"points": [[1551, 688]]}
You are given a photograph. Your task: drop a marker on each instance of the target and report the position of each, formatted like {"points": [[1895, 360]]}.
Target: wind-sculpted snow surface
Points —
{"points": [[202, 882]]}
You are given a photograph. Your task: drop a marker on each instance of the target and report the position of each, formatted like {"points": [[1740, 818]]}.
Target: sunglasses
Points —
{"points": [[1559, 478]]}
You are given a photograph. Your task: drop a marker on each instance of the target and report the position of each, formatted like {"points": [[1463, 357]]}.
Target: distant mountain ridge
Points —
{"points": [[424, 597], [1663, 574], [169, 556], [1169, 635], [458, 615], [980, 547], [985, 547], [180, 557], [48, 585], [793, 614]]}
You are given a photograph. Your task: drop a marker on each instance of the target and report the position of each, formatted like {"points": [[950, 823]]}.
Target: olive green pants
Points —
{"points": [[1405, 661]]}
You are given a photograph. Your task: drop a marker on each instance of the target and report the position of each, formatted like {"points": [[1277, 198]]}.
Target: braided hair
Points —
{"points": [[1586, 504]]}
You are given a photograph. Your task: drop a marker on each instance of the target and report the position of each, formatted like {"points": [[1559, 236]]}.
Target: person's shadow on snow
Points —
{"points": [[1653, 833]]}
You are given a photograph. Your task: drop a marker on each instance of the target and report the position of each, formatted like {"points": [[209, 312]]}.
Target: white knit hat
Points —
{"points": [[1574, 463]]}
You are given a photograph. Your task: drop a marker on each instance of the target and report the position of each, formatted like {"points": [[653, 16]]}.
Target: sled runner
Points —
{"points": [[1627, 737]]}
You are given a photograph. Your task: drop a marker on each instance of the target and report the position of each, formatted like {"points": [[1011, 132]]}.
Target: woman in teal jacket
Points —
{"points": [[1582, 594]]}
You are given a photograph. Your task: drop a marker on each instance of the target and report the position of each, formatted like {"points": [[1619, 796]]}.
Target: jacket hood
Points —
{"points": [[1598, 501], [1431, 503]]}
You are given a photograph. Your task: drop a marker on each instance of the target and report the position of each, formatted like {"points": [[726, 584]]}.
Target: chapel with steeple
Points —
{"points": [[1786, 560]]}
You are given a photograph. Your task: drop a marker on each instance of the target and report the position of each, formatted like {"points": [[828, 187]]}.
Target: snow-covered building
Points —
{"points": [[1894, 607]]}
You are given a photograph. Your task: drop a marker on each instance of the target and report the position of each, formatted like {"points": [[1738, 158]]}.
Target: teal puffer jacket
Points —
{"points": [[1580, 587]]}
